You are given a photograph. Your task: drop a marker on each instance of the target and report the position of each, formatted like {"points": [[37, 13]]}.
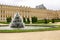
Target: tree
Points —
{"points": [[34, 19], [8, 19]]}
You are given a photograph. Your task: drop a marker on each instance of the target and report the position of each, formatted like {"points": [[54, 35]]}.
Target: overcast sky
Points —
{"points": [[49, 4]]}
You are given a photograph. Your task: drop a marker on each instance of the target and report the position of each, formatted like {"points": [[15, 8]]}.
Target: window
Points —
{"points": [[1, 11]]}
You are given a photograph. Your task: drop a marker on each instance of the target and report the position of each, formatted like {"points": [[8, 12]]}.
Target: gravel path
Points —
{"points": [[46, 35]]}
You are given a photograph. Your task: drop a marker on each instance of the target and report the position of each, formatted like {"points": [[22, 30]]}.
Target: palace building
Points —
{"points": [[27, 12]]}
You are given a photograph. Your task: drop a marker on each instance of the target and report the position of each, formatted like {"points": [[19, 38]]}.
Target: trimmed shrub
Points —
{"points": [[53, 21], [34, 19], [46, 21], [8, 19], [24, 20], [28, 21]]}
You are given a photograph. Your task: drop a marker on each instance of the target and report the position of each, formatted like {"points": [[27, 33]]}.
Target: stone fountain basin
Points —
{"points": [[25, 28]]}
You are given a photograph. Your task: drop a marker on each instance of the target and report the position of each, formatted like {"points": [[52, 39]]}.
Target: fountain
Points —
{"points": [[17, 22]]}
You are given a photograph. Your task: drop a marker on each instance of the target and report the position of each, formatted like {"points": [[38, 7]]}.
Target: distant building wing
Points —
{"points": [[41, 6]]}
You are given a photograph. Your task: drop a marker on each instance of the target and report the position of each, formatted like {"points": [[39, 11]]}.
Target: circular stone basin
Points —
{"points": [[25, 28]]}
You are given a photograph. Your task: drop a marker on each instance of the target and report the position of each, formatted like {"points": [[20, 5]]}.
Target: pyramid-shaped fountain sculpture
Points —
{"points": [[17, 22]]}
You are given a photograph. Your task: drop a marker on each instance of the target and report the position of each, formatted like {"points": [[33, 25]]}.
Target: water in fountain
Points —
{"points": [[17, 21]]}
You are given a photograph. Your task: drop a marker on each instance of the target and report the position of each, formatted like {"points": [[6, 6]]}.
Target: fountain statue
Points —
{"points": [[17, 21]]}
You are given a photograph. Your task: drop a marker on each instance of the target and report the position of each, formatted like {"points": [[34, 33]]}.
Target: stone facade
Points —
{"points": [[9, 11]]}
